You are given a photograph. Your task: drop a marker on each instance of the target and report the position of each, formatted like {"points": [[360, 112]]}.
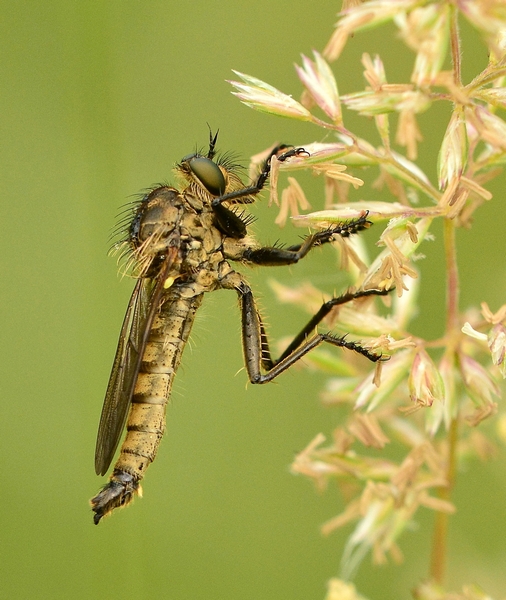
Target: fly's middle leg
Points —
{"points": [[279, 256]]}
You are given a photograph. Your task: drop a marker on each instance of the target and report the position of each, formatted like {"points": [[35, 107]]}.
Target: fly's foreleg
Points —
{"points": [[256, 347], [252, 190], [227, 220]]}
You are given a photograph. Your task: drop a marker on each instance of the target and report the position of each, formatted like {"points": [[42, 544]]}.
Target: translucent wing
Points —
{"points": [[141, 310]]}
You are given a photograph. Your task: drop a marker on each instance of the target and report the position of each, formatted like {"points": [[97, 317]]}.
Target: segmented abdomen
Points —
{"points": [[146, 420]]}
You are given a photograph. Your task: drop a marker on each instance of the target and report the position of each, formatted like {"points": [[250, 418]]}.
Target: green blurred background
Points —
{"points": [[97, 101]]}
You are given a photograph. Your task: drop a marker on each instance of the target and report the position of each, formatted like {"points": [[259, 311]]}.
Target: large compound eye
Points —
{"points": [[209, 174]]}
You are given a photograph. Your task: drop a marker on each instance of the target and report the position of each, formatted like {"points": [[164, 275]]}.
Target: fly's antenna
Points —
{"points": [[212, 143]]}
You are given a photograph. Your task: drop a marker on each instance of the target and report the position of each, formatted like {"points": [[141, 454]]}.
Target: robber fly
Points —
{"points": [[180, 242]]}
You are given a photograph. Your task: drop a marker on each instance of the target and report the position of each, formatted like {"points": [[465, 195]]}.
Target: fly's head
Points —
{"points": [[210, 177]]}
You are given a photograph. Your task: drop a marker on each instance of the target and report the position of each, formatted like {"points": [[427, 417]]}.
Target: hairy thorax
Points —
{"points": [[168, 218]]}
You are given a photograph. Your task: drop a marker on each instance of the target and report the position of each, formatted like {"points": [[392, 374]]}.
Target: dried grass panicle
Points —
{"points": [[431, 395]]}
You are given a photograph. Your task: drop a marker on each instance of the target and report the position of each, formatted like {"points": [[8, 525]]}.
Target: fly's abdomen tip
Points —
{"points": [[119, 491]]}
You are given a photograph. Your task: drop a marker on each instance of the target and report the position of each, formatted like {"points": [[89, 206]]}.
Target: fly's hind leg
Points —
{"points": [[256, 346], [260, 365]]}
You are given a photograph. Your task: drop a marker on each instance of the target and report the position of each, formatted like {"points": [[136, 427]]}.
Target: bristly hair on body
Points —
{"points": [[129, 256]]}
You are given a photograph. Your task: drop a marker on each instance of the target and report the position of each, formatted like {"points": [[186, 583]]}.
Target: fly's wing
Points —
{"points": [[141, 310], [123, 376]]}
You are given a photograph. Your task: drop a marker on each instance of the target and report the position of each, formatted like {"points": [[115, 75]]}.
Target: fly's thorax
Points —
{"points": [[185, 219], [155, 223], [198, 231]]}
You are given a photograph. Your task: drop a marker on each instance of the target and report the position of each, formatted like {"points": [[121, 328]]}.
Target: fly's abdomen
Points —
{"points": [[146, 420]]}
